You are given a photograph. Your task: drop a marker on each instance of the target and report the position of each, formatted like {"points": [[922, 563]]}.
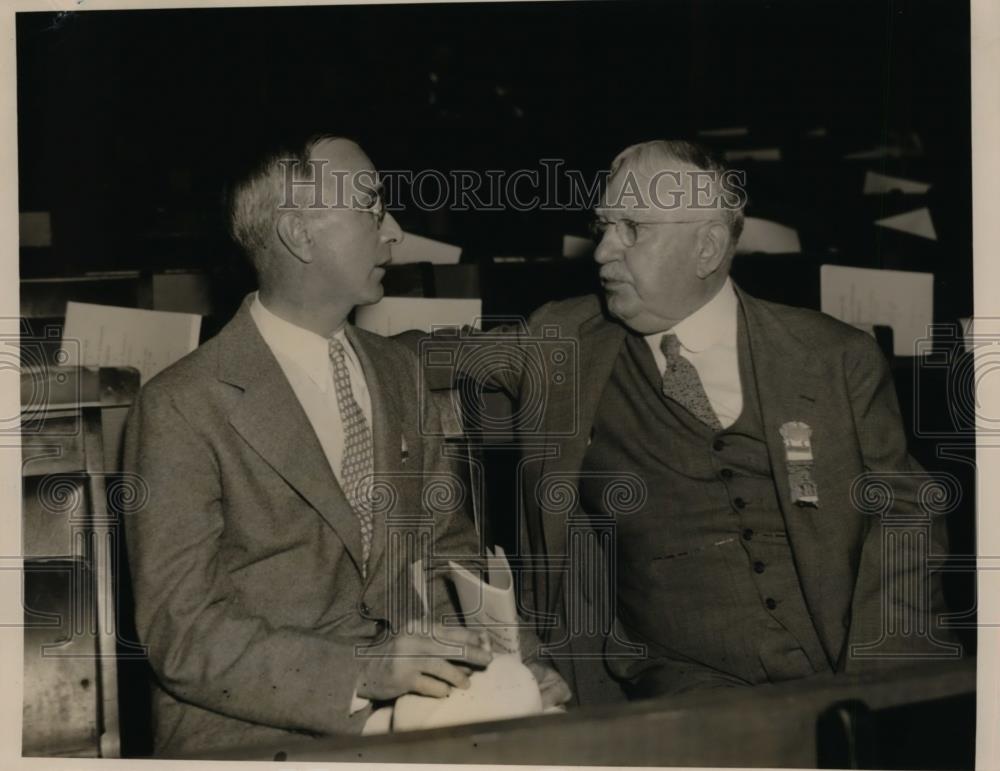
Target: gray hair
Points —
{"points": [[660, 154], [255, 196]]}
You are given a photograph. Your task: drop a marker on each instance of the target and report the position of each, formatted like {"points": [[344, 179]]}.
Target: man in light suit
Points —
{"points": [[265, 589], [722, 449]]}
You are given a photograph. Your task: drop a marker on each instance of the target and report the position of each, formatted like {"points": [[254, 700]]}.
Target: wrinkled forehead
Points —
{"points": [[348, 176], [668, 192]]}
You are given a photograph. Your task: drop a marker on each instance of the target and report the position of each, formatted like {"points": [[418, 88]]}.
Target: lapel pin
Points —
{"points": [[797, 439]]}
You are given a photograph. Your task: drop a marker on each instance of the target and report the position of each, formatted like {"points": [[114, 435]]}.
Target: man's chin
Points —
{"points": [[619, 306], [373, 295], [634, 316]]}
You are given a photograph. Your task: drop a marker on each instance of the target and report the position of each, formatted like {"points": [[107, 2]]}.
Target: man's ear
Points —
{"points": [[294, 234], [713, 247]]}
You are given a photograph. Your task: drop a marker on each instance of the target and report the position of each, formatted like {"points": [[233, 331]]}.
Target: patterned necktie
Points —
{"points": [[682, 384], [357, 466]]}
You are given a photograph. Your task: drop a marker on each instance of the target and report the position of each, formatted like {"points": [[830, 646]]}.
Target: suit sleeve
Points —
{"points": [[204, 647], [894, 589]]}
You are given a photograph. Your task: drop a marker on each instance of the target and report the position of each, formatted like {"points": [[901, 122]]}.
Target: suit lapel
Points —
{"points": [[789, 386], [271, 420]]}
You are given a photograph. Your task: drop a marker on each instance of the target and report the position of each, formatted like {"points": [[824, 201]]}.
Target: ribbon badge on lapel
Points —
{"points": [[796, 436]]}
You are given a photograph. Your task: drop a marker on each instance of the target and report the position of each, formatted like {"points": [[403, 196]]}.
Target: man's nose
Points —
{"points": [[607, 249], [390, 232]]}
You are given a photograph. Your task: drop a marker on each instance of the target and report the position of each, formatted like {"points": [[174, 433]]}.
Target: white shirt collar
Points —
{"points": [[714, 323], [307, 350]]}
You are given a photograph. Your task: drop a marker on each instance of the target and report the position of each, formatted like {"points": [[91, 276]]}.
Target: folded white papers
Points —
{"points": [[34, 228], [109, 336], [722, 133], [577, 246], [392, 315], [899, 299], [766, 236], [491, 605], [878, 184], [917, 223], [414, 248], [506, 689], [760, 154]]}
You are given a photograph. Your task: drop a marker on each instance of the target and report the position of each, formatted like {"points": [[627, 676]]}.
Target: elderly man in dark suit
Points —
{"points": [[264, 586], [718, 447]]}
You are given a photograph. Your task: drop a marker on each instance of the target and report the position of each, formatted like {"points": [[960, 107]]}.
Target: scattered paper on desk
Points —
{"points": [[917, 223], [414, 248], [769, 237], [903, 300], [109, 336], [760, 154], [34, 228], [722, 133], [490, 605], [877, 184], [392, 315], [577, 246]]}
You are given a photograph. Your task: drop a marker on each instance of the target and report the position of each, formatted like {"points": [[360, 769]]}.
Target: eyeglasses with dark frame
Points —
{"points": [[628, 230]]}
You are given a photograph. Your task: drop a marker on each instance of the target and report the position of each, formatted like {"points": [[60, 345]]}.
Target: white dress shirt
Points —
{"points": [[708, 340], [304, 357]]}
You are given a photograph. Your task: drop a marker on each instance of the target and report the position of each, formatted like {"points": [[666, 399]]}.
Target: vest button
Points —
{"points": [[718, 445], [758, 567], [771, 604], [739, 503], [364, 608], [726, 473], [747, 534]]}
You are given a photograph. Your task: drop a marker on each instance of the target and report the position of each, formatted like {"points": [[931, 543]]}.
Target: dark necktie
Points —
{"points": [[682, 384], [357, 466]]}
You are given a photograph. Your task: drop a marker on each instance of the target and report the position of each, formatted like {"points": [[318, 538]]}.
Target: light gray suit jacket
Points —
{"points": [[245, 554]]}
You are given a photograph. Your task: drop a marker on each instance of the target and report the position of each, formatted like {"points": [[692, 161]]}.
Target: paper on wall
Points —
{"points": [[877, 184], [414, 248], [769, 237], [916, 223], [899, 299], [392, 315], [110, 336], [577, 246], [721, 133], [490, 605]]}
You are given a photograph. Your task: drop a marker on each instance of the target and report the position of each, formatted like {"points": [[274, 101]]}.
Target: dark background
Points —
{"points": [[129, 120]]}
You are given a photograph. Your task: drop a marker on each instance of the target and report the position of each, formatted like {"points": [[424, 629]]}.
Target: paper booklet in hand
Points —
{"points": [[506, 688]]}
